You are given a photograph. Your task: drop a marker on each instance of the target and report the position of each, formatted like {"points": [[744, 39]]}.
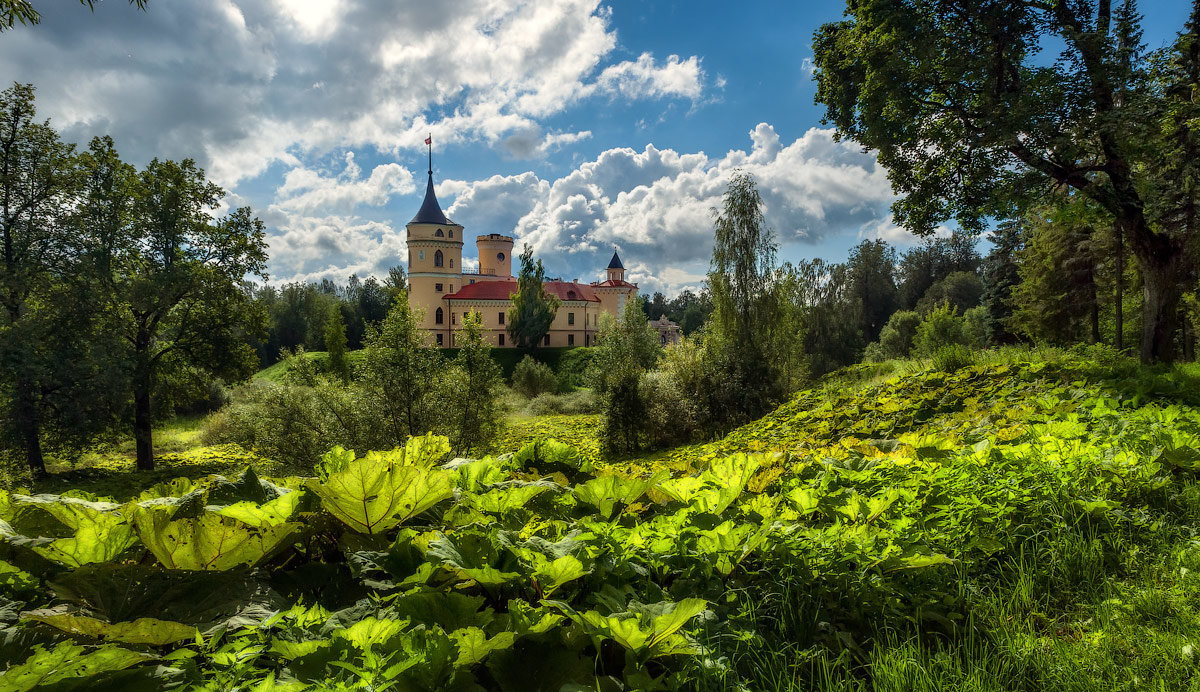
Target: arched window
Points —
{"points": [[439, 233], [439, 316], [450, 231], [451, 261], [437, 258]]}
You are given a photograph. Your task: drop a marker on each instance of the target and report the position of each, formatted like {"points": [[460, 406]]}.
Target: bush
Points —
{"points": [[572, 367], [941, 327], [977, 327], [531, 378], [571, 404], [670, 415], [952, 357]]}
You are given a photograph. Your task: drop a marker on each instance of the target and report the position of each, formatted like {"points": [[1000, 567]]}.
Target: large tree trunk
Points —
{"points": [[1160, 306], [143, 433], [1119, 299], [1160, 258], [29, 427]]}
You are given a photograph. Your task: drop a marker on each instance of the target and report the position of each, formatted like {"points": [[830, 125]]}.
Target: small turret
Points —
{"points": [[616, 270]]}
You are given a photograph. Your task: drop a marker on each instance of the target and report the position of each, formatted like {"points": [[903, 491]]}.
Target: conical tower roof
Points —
{"points": [[430, 211], [615, 263]]}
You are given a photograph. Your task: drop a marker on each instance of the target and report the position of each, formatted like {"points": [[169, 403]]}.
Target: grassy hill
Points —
{"points": [[1031, 523]]}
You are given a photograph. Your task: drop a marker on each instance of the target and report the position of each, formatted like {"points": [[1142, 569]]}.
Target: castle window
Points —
{"points": [[420, 255], [437, 258], [452, 288], [454, 318], [451, 232], [439, 339], [501, 339], [546, 340], [451, 261], [437, 287], [500, 256], [570, 318], [438, 233], [502, 318], [570, 339], [439, 316], [472, 280]]}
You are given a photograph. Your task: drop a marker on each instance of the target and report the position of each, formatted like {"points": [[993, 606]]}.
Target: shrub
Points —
{"points": [[531, 378], [952, 357], [670, 415], [572, 404], [941, 327], [977, 327], [572, 367]]}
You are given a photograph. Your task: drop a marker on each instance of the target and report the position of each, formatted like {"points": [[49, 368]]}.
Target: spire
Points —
{"points": [[615, 263], [431, 211]]}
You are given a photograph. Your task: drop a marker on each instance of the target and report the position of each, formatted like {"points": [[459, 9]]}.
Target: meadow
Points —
{"points": [[1026, 523]]}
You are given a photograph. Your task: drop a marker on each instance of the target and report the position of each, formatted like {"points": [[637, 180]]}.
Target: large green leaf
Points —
{"points": [[98, 538], [651, 633], [551, 574], [374, 494], [272, 513], [209, 542], [140, 631], [607, 492], [67, 662], [473, 645]]}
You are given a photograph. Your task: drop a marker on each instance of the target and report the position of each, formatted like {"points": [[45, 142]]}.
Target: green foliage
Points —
{"points": [[625, 349], [335, 346], [533, 308], [473, 385], [532, 377], [1098, 121], [571, 404], [960, 290], [896, 338], [400, 375], [1003, 496], [941, 327], [379, 491], [951, 357]]}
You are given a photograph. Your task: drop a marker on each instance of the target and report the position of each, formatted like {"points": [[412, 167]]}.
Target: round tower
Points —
{"points": [[434, 263], [495, 255]]}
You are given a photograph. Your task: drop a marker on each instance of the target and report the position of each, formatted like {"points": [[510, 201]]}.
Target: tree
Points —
{"points": [[335, 346], [474, 381], [932, 261], [743, 261], [745, 304], [625, 349], [13, 11], [400, 374], [172, 278], [37, 187], [1057, 299], [1000, 276], [871, 268], [972, 122], [533, 309], [962, 290]]}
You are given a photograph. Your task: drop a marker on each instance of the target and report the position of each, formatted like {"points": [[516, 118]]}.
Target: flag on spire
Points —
{"points": [[429, 140]]}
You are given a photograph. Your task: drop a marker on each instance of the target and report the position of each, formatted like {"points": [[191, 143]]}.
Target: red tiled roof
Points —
{"points": [[502, 290]]}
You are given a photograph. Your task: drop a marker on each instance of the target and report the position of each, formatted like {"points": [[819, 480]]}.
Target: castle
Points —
{"points": [[444, 292]]}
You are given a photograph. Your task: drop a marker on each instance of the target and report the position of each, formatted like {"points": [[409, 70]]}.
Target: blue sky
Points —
{"points": [[576, 125]]}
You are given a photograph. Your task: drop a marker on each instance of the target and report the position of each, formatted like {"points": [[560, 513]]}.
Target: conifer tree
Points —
{"points": [[335, 345], [533, 309]]}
